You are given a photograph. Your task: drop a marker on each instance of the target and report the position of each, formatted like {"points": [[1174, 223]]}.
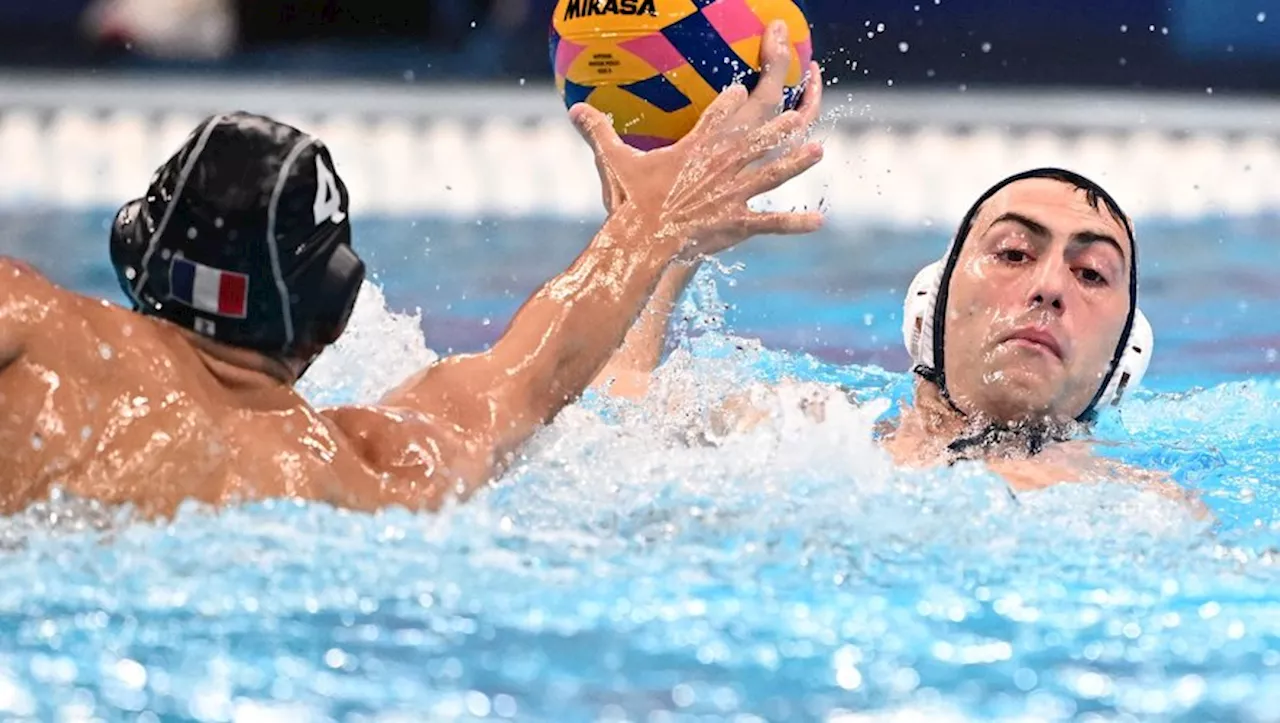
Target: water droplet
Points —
{"points": [[409, 76], [903, 47], [86, 432], [879, 27], [1124, 28], [485, 321], [217, 222], [504, 705], [1262, 17], [335, 658], [1272, 354], [104, 351], [192, 233], [522, 81], [37, 442], [849, 678], [682, 695], [1093, 685], [986, 47], [130, 273], [131, 673]]}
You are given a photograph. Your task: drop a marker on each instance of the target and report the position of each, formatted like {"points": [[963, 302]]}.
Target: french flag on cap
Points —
{"points": [[224, 293]]}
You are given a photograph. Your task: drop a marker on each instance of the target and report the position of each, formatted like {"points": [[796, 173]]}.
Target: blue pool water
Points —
{"points": [[619, 574]]}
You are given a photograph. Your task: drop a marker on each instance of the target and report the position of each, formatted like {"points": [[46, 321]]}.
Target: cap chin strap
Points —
{"points": [[921, 317]]}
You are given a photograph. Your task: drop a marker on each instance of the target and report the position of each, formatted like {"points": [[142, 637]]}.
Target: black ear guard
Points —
{"points": [[331, 283], [128, 246], [339, 289]]}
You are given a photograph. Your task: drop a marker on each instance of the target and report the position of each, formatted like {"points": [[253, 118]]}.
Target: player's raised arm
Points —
{"points": [[675, 204]]}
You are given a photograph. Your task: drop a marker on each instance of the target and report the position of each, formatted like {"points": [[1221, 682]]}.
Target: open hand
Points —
{"points": [[695, 192]]}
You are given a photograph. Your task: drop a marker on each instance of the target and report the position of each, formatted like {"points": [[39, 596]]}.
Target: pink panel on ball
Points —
{"points": [[733, 19], [646, 143], [566, 53], [655, 50]]}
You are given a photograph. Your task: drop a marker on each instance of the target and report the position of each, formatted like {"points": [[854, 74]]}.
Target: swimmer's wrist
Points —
{"points": [[638, 230]]}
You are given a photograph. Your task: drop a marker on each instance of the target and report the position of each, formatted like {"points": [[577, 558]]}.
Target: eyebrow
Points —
{"points": [[1083, 238], [1035, 227]]}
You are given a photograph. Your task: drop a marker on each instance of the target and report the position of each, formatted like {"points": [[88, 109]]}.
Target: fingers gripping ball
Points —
{"points": [[655, 65]]}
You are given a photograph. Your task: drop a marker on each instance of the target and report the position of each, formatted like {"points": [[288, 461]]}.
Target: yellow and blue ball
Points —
{"points": [[655, 65]]}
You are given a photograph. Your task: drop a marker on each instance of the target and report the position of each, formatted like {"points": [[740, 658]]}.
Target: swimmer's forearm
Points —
{"points": [[569, 329], [555, 345], [628, 371]]}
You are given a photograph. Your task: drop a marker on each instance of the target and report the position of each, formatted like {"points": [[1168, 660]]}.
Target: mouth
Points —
{"points": [[1037, 338]]}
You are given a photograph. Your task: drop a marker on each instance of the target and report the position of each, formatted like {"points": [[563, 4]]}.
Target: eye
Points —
{"points": [[1092, 277], [1013, 256]]}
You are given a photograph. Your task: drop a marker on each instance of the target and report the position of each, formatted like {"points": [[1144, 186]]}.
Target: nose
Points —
{"points": [[1049, 285]]}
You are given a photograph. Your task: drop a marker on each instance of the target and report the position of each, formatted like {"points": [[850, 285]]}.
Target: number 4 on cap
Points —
{"points": [[328, 205]]}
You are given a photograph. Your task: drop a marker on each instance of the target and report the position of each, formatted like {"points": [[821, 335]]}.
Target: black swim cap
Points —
{"points": [[244, 237]]}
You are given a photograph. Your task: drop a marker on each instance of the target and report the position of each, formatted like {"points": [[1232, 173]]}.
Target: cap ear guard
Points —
{"points": [[921, 304], [1133, 362], [917, 317], [332, 278], [343, 278], [128, 245]]}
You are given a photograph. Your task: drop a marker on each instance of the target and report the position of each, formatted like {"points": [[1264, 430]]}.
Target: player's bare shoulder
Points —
{"points": [[26, 299], [19, 279]]}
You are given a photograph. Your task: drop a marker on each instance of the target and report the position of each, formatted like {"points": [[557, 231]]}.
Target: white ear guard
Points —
{"points": [[917, 316], [1133, 362], [921, 304]]}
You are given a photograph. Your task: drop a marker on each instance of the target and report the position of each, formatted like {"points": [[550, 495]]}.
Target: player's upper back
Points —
{"points": [[110, 404]]}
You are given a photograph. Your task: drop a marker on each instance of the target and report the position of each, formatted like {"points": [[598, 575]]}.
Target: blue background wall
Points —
{"points": [[1191, 44]]}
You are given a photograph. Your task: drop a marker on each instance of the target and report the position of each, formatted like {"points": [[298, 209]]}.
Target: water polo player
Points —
{"points": [[1026, 327], [240, 268]]}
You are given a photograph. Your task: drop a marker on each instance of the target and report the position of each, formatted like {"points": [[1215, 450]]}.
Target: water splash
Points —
{"points": [[379, 349], [631, 567]]}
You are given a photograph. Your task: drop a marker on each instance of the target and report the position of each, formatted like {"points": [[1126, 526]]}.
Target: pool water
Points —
{"points": [[620, 573]]}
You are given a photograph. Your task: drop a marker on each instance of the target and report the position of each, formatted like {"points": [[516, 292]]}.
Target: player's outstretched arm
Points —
{"points": [[673, 204]]}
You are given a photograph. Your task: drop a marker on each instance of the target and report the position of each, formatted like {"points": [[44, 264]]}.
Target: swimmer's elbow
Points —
{"points": [[422, 461]]}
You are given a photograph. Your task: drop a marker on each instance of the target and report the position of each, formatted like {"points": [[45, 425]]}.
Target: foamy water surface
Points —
{"points": [[626, 570]]}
